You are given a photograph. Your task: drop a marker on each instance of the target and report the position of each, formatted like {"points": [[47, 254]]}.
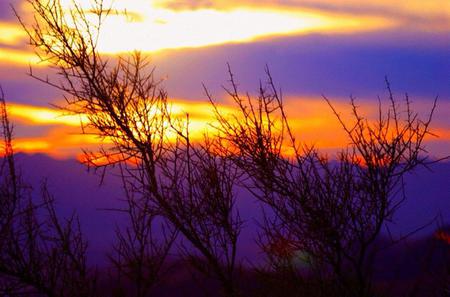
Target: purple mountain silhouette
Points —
{"points": [[77, 190]]}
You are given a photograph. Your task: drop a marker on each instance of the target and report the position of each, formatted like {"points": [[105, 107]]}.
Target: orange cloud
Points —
{"points": [[311, 120], [31, 145]]}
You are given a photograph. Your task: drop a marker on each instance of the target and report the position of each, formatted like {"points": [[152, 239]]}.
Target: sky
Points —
{"points": [[313, 49]]}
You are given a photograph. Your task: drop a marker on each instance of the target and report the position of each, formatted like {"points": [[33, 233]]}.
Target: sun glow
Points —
{"points": [[165, 29], [145, 26], [148, 26]]}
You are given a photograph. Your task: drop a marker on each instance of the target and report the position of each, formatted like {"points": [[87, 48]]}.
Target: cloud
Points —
{"points": [[11, 34], [59, 135], [152, 26], [428, 14], [162, 29], [149, 28], [20, 56], [336, 66], [43, 115]]}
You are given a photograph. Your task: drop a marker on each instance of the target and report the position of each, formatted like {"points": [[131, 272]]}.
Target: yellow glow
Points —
{"points": [[31, 145], [153, 25], [198, 112], [43, 115], [149, 27], [10, 33], [311, 120], [430, 14], [19, 57], [166, 29]]}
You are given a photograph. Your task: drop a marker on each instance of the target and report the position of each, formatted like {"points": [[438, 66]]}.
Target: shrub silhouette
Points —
{"points": [[332, 212], [39, 253]]}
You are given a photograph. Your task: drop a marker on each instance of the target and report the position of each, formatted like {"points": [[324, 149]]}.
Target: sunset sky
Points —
{"points": [[313, 48]]}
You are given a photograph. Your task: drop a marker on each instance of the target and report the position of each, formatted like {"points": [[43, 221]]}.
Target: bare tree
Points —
{"points": [[118, 98], [200, 190], [139, 254], [187, 184], [332, 210], [39, 253]]}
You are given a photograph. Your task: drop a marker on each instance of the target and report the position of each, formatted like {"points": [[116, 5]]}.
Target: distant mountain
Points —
{"points": [[428, 195], [76, 189]]}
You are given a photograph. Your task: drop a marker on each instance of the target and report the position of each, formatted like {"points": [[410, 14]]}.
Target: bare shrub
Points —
{"points": [[39, 252], [326, 214]]}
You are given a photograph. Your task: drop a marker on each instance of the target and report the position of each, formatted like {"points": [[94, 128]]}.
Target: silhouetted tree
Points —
{"points": [[200, 191], [139, 254], [39, 253], [189, 186]]}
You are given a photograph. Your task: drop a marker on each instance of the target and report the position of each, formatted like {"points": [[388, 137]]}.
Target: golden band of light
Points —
{"points": [[310, 119]]}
